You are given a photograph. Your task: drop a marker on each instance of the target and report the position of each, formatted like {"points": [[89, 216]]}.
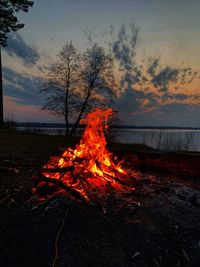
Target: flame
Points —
{"points": [[94, 167]]}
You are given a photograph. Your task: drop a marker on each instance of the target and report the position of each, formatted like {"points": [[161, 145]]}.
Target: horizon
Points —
{"points": [[168, 31], [49, 124]]}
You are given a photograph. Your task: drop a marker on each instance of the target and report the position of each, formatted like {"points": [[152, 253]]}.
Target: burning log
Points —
{"points": [[59, 183], [60, 170], [90, 166]]}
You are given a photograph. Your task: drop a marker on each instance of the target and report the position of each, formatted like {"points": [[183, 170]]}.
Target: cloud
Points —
{"points": [[181, 96], [135, 109], [132, 102], [152, 68], [129, 101], [124, 47], [164, 77], [25, 89], [16, 111], [18, 47], [171, 114], [147, 86], [179, 114]]}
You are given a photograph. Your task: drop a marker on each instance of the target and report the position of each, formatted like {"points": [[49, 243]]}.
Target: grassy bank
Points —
{"points": [[22, 152], [37, 147], [31, 147]]}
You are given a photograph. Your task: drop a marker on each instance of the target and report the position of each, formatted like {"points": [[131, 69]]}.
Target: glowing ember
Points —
{"points": [[93, 167]]}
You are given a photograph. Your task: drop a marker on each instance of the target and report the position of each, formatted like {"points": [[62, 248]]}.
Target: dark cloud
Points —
{"points": [[18, 47], [173, 114], [144, 107], [164, 77], [131, 101], [124, 52], [23, 88], [181, 96], [152, 68], [124, 47], [179, 114], [153, 74]]}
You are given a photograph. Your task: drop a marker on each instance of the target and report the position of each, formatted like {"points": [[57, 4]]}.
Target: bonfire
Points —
{"points": [[90, 167]]}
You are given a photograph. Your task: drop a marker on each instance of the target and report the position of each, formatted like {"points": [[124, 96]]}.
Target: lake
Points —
{"points": [[164, 139]]}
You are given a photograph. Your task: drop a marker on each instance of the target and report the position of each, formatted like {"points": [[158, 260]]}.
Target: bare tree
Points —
{"points": [[97, 79], [62, 83]]}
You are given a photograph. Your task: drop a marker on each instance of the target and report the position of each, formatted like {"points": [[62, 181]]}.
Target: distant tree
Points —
{"points": [[62, 82], [97, 81], [9, 23]]}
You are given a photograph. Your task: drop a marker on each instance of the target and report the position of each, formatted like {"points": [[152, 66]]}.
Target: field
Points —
{"points": [[158, 225]]}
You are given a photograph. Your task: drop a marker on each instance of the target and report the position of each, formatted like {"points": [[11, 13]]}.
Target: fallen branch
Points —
{"points": [[57, 237], [185, 254], [136, 184], [62, 185]]}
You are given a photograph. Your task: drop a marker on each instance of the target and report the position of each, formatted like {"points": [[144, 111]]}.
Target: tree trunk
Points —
{"points": [[66, 127], [89, 91], [1, 93], [80, 115], [66, 102], [66, 117]]}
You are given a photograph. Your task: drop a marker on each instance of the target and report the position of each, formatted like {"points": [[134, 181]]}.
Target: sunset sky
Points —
{"points": [[169, 30]]}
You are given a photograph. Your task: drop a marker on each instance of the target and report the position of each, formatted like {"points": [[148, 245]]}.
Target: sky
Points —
{"points": [[169, 31]]}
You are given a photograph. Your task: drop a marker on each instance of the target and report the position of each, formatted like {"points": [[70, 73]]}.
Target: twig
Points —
{"points": [[136, 254], [10, 195], [41, 203], [156, 262], [185, 254], [57, 237], [164, 194], [7, 196]]}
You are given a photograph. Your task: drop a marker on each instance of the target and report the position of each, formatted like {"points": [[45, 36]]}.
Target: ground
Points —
{"points": [[157, 225]]}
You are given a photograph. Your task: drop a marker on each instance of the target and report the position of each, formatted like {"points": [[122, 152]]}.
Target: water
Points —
{"points": [[164, 139]]}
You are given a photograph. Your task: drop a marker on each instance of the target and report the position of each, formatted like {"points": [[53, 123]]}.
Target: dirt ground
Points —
{"points": [[157, 225]]}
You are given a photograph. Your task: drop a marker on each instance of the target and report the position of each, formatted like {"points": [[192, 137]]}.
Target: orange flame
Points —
{"points": [[94, 167]]}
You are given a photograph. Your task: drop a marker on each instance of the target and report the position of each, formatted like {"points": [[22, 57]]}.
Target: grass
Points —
{"points": [[36, 146], [31, 146], [167, 140], [174, 140]]}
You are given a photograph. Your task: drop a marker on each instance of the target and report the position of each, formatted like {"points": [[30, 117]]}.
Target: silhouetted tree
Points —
{"points": [[62, 83], [8, 23], [97, 81]]}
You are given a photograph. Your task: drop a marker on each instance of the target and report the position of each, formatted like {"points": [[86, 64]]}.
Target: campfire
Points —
{"points": [[89, 168]]}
